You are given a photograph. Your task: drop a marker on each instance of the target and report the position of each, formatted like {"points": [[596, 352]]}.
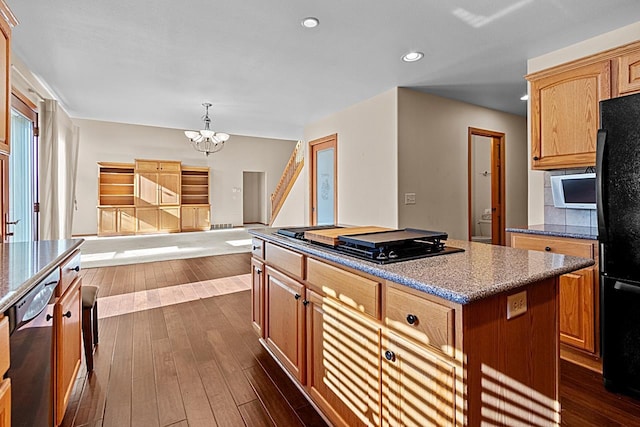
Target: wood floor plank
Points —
{"points": [[255, 415], [144, 402], [194, 397], [170, 406], [117, 411]]}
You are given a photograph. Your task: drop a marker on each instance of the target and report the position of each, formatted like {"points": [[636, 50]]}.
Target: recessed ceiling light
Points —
{"points": [[310, 22], [524, 97], [412, 56]]}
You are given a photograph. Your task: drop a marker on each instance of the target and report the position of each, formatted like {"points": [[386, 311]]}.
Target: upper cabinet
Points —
{"points": [[7, 22], [565, 103]]}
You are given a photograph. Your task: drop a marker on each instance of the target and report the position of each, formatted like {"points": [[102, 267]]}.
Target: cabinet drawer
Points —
{"points": [[4, 345], [69, 270], [257, 247], [425, 321], [352, 290], [284, 259], [559, 245]]}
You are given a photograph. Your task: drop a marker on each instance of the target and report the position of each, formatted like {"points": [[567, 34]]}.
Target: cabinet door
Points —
{"points": [[170, 166], [418, 386], [284, 321], [126, 220], [170, 219], [67, 315], [565, 115], [203, 221], [257, 296], [188, 218], [628, 74], [146, 189], [147, 220], [169, 188], [147, 166], [5, 403], [577, 307], [107, 221], [5, 87], [343, 363]]}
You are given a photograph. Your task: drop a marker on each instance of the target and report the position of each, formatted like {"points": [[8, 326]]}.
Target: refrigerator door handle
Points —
{"points": [[600, 196]]}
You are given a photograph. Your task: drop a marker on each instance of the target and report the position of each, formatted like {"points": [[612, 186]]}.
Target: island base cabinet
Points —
{"points": [[68, 330], [343, 363], [284, 321], [419, 388], [577, 309], [5, 403]]}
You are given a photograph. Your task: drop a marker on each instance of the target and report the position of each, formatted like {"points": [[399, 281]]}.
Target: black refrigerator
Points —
{"points": [[618, 202]]}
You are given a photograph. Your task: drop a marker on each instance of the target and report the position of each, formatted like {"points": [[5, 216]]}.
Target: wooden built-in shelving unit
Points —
{"points": [[116, 185]]}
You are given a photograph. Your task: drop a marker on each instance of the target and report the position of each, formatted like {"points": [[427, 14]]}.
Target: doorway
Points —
{"points": [[324, 180], [486, 166], [21, 219], [254, 206]]}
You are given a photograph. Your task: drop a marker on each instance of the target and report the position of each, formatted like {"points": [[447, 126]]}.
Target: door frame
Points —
{"points": [[330, 141], [498, 201]]}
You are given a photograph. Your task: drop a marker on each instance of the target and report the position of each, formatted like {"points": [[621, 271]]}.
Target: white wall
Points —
{"points": [[433, 161], [588, 47], [117, 142], [367, 161]]}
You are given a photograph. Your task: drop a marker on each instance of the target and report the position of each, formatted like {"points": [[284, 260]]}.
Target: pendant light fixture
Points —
{"points": [[206, 141]]}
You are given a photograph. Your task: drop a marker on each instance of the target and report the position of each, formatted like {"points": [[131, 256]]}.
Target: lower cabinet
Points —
{"points": [[419, 387], [147, 220], [169, 219], [195, 218], [116, 221], [284, 321], [68, 329], [343, 362], [577, 309], [257, 295], [5, 403]]}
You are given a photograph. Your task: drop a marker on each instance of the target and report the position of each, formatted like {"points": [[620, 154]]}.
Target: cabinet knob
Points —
{"points": [[305, 302], [258, 271], [49, 317], [390, 355], [297, 296], [412, 319], [255, 248], [76, 268], [67, 314], [536, 158], [547, 248]]}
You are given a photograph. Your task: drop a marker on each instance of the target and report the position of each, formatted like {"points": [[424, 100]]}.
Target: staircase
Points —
{"points": [[289, 176]]}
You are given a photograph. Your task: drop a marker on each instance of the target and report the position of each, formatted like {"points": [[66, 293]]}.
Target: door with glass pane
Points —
{"points": [[324, 186], [21, 221]]}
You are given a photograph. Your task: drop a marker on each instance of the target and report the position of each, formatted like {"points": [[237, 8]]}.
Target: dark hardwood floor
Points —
{"points": [[199, 363]]}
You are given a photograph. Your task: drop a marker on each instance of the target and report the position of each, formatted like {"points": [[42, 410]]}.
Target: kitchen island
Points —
{"points": [[460, 339]]}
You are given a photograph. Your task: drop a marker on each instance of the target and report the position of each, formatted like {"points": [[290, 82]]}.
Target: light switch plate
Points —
{"points": [[409, 198], [516, 304]]}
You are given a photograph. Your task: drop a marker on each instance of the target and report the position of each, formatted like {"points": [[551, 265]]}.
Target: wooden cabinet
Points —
{"points": [[257, 296], [343, 362], [5, 403], [114, 221], [7, 22], [195, 218], [115, 184], [284, 321], [565, 115], [147, 220], [578, 292], [67, 326], [419, 388], [169, 219], [627, 71]]}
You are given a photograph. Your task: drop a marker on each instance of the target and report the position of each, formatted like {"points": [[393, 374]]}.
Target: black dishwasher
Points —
{"points": [[31, 344]]}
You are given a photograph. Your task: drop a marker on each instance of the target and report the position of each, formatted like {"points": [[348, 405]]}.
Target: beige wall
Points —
{"points": [[367, 161], [432, 161], [117, 142], [600, 43]]}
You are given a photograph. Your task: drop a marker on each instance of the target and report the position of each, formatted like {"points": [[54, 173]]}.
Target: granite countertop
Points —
{"points": [[24, 264], [480, 271], [576, 232]]}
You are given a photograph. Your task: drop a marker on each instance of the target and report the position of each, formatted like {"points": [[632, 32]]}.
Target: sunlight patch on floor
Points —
{"points": [[242, 242], [117, 305]]}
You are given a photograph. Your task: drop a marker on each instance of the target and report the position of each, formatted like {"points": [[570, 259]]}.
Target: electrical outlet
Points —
{"points": [[516, 304], [409, 198]]}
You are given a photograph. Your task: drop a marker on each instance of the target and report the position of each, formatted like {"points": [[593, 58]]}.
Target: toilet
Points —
{"points": [[484, 228]]}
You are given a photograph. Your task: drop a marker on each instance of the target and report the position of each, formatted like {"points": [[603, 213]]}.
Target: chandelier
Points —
{"points": [[206, 141]]}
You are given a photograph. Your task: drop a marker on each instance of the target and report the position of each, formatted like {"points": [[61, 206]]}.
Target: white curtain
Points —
{"points": [[59, 140]]}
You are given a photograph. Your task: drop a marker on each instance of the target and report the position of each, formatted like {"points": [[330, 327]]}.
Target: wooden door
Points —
{"points": [[628, 67], [418, 386], [146, 189], [147, 166], [284, 321], [343, 363], [169, 219], [169, 189], [5, 83], [324, 180], [4, 195], [147, 220], [565, 116], [67, 314], [188, 218], [203, 220], [107, 221], [5, 403], [126, 220], [577, 307], [170, 166], [257, 296]]}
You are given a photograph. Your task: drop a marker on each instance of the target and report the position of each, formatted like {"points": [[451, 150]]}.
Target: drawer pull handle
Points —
{"points": [[297, 296], [412, 319], [76, 268], [547, 248], [390, 356], [305, 302], [67, 314], [49, 317], [254, 248]]}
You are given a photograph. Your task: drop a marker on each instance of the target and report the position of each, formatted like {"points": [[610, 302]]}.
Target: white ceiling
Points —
{"points": [[154, 62]]}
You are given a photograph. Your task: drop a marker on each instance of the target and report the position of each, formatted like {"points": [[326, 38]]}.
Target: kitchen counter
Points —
{"points": [[24, 264], [480, 271], [571, 231]]}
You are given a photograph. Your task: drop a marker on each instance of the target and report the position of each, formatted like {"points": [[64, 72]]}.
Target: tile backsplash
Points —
{"points": [[562, 216]]}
